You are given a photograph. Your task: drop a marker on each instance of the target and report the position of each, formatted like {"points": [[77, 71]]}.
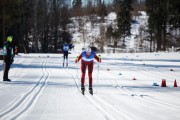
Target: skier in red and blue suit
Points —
{"points": [[87, 60]]}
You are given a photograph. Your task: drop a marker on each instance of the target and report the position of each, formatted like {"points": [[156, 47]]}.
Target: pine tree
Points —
{"points": [[77, 7], [124, 17], [157, 22], [90, 9], [77, 3], [102, 10], [9, 17], [174, 13], [112, 36]]}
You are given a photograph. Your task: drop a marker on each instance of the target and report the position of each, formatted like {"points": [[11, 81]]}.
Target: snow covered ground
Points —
{"points": [[41, 89]]}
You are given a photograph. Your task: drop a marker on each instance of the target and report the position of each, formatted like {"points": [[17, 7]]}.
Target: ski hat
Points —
{"points": [[9, 39], [88, 50]]}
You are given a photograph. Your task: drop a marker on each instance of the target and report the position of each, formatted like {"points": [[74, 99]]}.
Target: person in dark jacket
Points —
{"points": [[65, 52], [9, 53], [87, 61]]}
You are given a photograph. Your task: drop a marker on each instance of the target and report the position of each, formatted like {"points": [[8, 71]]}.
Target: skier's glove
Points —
{"points": [[76, 59], [12, 60], [99, 58]]}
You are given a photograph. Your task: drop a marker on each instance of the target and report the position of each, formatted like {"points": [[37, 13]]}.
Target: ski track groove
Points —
{"points": [[141, 97], [162, 103], [126, 115], [106, 115], [28, 99], [115, 109], [103, 106]]}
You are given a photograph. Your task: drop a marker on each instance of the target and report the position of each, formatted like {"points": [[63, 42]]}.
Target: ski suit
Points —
{"points": [[87, 61], [65, 51]]}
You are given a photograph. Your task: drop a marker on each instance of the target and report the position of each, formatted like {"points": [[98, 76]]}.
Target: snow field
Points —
{"points": [[42, 89]]}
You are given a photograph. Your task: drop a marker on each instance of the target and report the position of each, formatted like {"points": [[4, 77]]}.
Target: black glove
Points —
{"points": [[12, 60]]}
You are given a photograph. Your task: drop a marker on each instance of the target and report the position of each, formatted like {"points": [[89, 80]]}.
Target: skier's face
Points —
{"points": [[88, 53]]}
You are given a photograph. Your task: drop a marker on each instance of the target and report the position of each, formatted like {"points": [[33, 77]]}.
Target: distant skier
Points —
{"points": [[87, 57], [9, 53], [65, 51]]}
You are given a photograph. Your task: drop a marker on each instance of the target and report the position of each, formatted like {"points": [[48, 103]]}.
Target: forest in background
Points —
{"points": [[41, 26]]}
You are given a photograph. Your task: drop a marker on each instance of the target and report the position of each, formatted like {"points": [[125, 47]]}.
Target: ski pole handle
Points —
{"points": [[99, 56], [76, 60]]}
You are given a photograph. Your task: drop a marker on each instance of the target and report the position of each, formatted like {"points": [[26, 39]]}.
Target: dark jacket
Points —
{"points": [[10, 52]]}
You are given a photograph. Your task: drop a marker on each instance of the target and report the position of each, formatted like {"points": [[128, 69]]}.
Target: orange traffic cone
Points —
{"points": [[163, 84], [175, 83], [134, 78]]}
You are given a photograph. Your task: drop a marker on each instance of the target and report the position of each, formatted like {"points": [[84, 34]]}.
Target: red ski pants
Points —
{"points": [[83, 70]]}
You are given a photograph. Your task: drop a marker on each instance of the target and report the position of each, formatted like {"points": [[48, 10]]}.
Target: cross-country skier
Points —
{"points": [[65, 51], [87, 60]]}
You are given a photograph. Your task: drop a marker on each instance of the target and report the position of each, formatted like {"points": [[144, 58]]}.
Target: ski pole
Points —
{"points": [[77, 70], [98, 69], [77, 65], [98, 73], [63, 60]]}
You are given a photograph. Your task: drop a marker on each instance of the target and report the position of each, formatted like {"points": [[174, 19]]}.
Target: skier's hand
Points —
{"points": [[12, 60], [99, 58], [76, 59]]}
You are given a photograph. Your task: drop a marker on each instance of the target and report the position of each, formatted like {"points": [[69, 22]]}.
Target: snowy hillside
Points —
{"points": [[87, 31], [41, 89]]}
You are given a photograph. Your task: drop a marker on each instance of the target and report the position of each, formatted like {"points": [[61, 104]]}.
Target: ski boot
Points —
{"points": [[82, 90], [91, 90], [8, 80]]}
